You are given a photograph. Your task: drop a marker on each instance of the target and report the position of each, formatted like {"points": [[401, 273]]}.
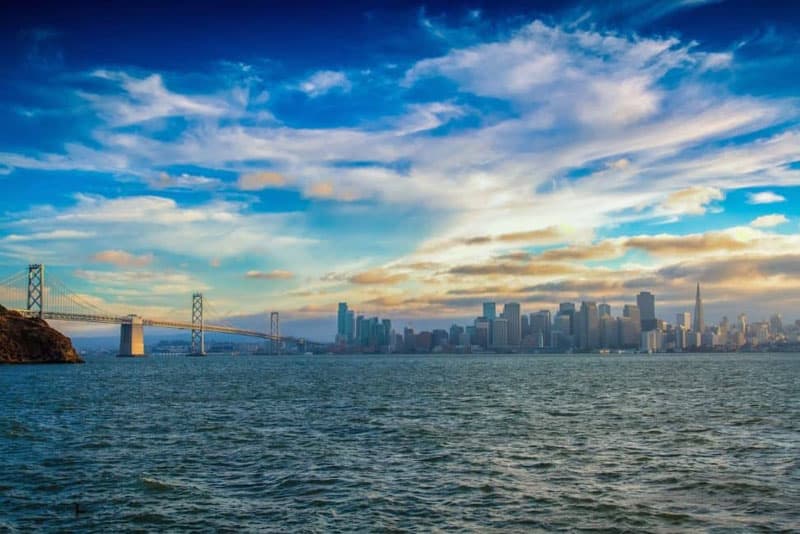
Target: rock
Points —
{"points": [[25, 340]]}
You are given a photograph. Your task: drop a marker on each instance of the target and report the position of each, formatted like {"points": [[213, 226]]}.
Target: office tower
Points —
{"points": [[604, 310], [646, 302], [350, 324], [360, 329], [699, 320], [439, 338], [682, 337], [455, 334], [511, 313], [500, 332], [490, 311], [482, 332], [424, 341], [409, 339], [525, 326], [776, 324], [631, 326], [387, 332], [684, 319], [560, 336], [609, 332], [589, 326], [541, 324], [341, 323], [741, 323], [568, 309]]}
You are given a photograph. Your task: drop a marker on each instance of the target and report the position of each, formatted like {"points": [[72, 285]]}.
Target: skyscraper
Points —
{"points": [[604, 309], [684, 319], [568, 309], [500, 333], [541, 326], [699, 321], [341, 323], [589, 326], [511, 312], [490, 311], [646, 302]]}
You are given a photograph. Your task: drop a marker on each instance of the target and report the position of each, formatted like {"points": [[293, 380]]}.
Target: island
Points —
{"points": [[32, 340]]}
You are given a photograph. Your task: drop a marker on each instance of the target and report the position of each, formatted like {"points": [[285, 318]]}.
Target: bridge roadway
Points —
{"points": [[128, 320]]}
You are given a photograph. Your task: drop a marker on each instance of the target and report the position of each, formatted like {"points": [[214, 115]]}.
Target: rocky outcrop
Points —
{"points": [[24, 340]]}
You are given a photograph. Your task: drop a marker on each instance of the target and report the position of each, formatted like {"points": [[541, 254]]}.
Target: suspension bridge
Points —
{"points": [[26, 292]]}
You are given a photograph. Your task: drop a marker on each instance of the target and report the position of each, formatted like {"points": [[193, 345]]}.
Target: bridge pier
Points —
{"points": [[131, 337]]}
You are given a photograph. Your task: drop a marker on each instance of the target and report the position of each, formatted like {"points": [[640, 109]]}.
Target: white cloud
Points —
{"points": [[765, 197], [325, 81], [769, 221], [148, 98]]}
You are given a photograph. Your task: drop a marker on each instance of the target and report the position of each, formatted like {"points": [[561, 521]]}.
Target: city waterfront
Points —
{"points": [[472, 442]]}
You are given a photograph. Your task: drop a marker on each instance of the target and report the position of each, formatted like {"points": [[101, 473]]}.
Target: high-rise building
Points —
{"points": [[684, 319], [741, 323], [490, 311], [609, 332], [482, 332], [604, 310], [350, 326], [341, 323], [646, 302], [525, 328], [511, 313], [699, 320], [455, 334], [568, 309], [541, 325], [589, 326], [560, 336], [500, 333], [776, 324]]}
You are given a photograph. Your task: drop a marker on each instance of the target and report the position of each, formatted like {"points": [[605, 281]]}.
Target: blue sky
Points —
{"points": [[412, 159]]}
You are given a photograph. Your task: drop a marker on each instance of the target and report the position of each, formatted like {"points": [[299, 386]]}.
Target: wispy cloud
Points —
{"points": [[325, 81]]}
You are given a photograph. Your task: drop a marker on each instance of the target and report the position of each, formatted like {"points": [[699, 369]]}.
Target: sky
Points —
{"points": [[412, 159]]}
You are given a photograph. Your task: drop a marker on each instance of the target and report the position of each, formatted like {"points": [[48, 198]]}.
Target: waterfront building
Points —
{"points": [[500, 333], [490, 311], [684, 319], [609, 332], [699, 320], [604, 310], [589, 326], [511, 313], [541, 325], [646, 303], [568, 309], [482, 332], [341, 323]]}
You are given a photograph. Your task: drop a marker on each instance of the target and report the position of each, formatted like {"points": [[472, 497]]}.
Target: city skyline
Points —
{"points": [[414, 161]]}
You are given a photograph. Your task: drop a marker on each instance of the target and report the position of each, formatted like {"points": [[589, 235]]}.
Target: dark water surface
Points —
{"points": [[482, 443]]}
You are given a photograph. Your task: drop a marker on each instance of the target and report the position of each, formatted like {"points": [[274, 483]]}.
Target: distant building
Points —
{"points": [[568, 309], [500, 333], [684, 319], [646, 302], [490, 311], [589, 326], [541, 325], [699, 325], [341, 323], [604, 310], [482, 332], [424, 341], [511, 312]]}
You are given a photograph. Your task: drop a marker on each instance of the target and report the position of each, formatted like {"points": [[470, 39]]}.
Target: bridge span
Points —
{"points": [[68, 306]]}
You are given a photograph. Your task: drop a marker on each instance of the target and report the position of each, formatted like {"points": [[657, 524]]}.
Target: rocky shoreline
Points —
{"points": [[32, 340]]}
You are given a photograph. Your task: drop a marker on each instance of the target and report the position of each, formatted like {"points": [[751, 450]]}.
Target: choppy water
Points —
{"points": [[402, 443]]}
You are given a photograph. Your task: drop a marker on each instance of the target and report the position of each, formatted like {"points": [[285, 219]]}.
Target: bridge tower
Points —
{"points": [[275, 332], [198, 332], [36, 288]]}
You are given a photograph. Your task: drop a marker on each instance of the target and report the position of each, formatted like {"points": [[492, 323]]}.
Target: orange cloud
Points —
{"points": [[276, 274], [377, 276], [120, 258], [260, 180]]}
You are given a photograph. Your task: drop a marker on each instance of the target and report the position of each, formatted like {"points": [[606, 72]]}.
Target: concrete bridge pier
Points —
{"points": [[131, 337]]}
